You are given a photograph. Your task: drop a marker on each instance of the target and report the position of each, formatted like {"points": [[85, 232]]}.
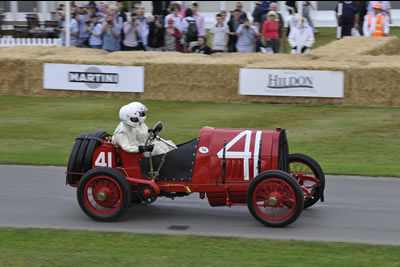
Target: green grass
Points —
{"points": [[34, 247], [344, 140]]}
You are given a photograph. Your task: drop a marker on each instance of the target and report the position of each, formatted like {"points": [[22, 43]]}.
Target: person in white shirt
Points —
{"points": [[175, 16], [219, 36], [306, 35], [376, 24]]}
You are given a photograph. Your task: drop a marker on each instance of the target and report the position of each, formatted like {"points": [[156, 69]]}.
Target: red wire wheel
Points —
{"points": [[275, 198], [310, 176], [104, 194]]}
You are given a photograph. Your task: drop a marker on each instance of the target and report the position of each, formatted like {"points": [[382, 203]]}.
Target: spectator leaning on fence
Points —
{"points": [[74, 30], [279, 18], [174, 15], [189, 29], [144, 29], [349, 18], [219, 36], [102, 14], [199, 19], [246, 36], [270, 31], [261, 10], [94, 30], [111, 32], [172, 37], [155, 41], [83, 20], [306, 35], [376, 24], [132, 31], [233, 25], [121, 15], [242, 14], [160, 8], [91, 8], [113, 11]]}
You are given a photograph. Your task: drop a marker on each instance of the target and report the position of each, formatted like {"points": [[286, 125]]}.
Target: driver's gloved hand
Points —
{"points": [[148, 148], [149, 130]]}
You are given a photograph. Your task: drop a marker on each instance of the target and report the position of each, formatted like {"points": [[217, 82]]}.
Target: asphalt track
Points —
{"points": [[357, 209]]}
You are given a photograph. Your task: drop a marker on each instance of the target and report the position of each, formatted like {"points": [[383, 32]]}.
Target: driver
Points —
{"points": [[132, 133]]}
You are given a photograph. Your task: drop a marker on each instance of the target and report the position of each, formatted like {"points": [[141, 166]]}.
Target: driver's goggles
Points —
{"points": [[142, 114]]}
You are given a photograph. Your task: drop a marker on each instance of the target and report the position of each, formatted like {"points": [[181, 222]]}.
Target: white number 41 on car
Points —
{"points": [[101, 160], [246, 154]]}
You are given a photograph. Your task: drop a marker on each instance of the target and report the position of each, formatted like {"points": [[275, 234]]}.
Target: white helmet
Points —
{"points": [[133, 114]]}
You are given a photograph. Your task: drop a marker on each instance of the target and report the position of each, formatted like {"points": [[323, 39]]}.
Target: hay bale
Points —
{"points": [[369, 80], [12, 78], [359, 46]]}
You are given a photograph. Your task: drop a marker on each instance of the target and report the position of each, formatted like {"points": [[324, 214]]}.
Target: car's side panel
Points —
{"points": [[247, 153]]}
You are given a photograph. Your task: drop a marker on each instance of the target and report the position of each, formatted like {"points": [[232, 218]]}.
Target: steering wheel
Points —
{"points": [[153, 132]]}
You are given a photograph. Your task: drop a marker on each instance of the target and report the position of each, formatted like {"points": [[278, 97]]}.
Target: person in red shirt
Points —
{"points": [[270, 31]]}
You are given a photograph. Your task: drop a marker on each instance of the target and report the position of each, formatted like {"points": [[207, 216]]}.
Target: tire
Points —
{"points": [[72, 178], [310, 176], [81, 153], [275, 198], [110, 185]]}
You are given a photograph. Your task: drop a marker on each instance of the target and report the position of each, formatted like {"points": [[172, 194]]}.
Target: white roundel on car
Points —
{"points": [[203, 149]]}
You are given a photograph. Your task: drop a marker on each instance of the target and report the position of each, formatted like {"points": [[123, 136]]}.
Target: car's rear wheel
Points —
{"points": [[275, 198], [310, 176], [104, 194]]}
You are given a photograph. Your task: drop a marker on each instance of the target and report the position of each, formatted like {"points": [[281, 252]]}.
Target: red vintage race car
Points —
{"points": [[231, 167]]}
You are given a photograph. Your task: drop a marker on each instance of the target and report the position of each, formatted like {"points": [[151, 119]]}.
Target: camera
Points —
{"points": [[194, 43]]}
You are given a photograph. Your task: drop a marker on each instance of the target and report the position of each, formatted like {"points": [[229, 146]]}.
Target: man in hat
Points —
{"points": [[376, 24], [91, 8], [385, 5]]}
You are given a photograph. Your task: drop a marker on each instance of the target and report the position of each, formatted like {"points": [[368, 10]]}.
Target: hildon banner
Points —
{"points": [[93, 77], [281, 82]]}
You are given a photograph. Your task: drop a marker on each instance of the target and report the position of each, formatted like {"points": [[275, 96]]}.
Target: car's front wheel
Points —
{"points": [[275, 198]]}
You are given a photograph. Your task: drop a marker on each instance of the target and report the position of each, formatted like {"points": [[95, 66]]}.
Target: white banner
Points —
{"points": [[93, 77], [306, 83]]}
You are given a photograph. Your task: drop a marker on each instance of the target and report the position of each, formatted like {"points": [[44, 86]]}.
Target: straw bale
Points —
{"points": [[376, 84], [359, 46], [11, 76], [369, 80]]}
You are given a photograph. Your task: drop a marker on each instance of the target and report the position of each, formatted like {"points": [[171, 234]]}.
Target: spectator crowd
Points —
{"points": [[172, 27]]}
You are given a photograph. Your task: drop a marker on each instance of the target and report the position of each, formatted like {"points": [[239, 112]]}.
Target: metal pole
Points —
{"points": [[222, 5], [67, 23], [300, 12], [14, 10], [339, 26]]}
